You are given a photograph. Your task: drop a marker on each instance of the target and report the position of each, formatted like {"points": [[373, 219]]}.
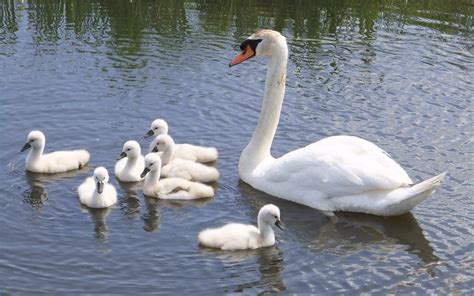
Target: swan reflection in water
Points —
{"points": [[151, 218], [99, 218], [349, 233], [270, 267], [37, 195], [130, 204]]}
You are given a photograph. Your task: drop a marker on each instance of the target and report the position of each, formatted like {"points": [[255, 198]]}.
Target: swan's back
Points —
{"points": [[196, 153], [190, 170], [232, 236], [59, 161], [178, 188], [334, 166]]}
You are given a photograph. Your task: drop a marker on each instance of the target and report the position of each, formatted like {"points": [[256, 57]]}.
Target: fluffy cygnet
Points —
{"points": [[170, 188], [182, 151], [130, 163], [235, 236], [181, 168], [54, 162], [95, 192]]}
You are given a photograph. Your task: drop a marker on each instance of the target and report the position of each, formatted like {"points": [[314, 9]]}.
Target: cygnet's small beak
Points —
{"points": [[155, 149], [122, 155], [279, 224], [100, 187], [149, 134], [26, 146], [145, 171]]}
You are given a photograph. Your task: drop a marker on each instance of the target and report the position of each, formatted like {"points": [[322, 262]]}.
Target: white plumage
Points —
{"points": [[130, 163], [54, 162], [235, 236], [181, 168], [170, 188], [340, 173], [95, 192], [182, 151]]}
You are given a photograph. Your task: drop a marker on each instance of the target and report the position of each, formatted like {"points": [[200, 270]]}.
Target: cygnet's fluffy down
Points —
{"points": [[54, 162], [95, 192], [236, 236], [182, 151], [130, 163], [170, 188], [181, 168]]}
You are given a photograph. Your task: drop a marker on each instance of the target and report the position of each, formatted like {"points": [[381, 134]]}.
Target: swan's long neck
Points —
{"points": [[131, 163], [167, 154], [266, 232], [35, 153], [151, 181], [258, 149]]}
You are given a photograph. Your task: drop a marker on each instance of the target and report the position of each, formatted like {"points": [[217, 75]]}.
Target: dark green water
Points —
{"points": [[94, 74]]}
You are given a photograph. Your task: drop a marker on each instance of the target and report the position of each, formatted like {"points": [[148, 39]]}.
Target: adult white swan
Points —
{"points": [[339, 173]]}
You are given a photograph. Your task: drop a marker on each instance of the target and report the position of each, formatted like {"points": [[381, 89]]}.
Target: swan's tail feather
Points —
{"points": [[416, 194], [83, 157], [201, 190], [207, 154], [209, 174]]}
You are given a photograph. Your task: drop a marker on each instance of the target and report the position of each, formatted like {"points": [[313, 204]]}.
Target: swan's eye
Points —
{"points": [[275, 217], [155, 128], [151, 164], [128, 149], [32, 140]]}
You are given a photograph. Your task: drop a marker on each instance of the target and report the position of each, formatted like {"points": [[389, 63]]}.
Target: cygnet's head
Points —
{"points": [[35, 139], [263, 43], [130, 149], [152, 163], [270, 214], [158, 127], [101, 177], [162, 143]]}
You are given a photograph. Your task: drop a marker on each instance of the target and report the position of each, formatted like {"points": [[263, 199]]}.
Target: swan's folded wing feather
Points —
{"points": [[60, 161], [338, 165], [172, 185]]}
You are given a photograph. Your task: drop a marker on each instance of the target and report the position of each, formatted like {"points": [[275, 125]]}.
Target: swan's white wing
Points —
{"points": [[172, 185], [61, 161], [337, 166]]}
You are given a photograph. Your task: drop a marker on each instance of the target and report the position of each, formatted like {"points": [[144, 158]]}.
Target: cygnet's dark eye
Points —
{"points": [[155, 127], [275, 217], [151, 164], [32, 140], [128, 149]]}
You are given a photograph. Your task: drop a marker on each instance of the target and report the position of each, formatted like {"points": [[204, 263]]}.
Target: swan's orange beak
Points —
{"points": [[246, 54]]}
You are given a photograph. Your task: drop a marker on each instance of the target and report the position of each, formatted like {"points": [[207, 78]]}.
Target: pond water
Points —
{"points": [[94, 74]]}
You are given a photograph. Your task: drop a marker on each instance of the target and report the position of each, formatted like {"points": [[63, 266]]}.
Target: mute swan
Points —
{"points": [[181, 168], [182, 151], [95, 192], [54, 162], [235, 236], [170, 188], [130, 163], [339, 173]]}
